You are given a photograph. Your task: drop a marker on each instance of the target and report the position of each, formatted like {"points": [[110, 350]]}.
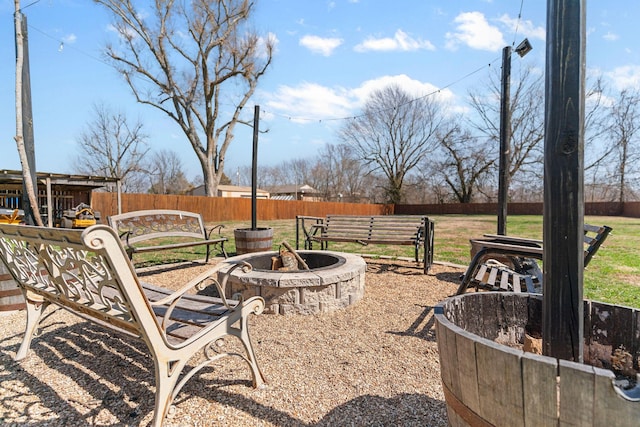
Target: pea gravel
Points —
{"points": [[373, 364]]}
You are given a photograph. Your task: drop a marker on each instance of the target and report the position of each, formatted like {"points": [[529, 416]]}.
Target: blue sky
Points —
{"points": [[329, 56]]}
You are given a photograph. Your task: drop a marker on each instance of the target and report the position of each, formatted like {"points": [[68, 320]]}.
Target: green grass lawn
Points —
{"points": [[613, 275]]}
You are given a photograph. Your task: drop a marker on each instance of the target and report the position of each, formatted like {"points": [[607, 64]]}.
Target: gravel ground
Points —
{"points": [[372, 364]]}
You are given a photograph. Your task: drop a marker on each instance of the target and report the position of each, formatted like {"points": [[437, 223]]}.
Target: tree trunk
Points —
{"points": [[19, 138]]}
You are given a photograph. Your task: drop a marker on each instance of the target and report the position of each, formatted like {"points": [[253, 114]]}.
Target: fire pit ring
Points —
{"points": [[335, 280]]}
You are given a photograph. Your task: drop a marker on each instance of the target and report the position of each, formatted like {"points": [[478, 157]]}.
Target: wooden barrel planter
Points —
{"points": [[250, 240], [489, 380]]}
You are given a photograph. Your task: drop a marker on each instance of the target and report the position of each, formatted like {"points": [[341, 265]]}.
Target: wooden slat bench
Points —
{"points": [[88, 273], [410, 230], [149, 226], [518, 257]]}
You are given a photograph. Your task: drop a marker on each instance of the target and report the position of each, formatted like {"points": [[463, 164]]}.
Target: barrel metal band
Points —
{"points": [[463, 411]]}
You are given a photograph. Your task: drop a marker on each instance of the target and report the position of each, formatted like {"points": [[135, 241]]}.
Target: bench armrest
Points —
{"points": [[312, 218], [124, 236], [209, 232], [200, 282]]}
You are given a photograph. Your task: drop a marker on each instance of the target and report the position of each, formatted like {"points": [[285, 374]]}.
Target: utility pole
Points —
{"points": [[505, 141], [24, 121], [505, 133]]}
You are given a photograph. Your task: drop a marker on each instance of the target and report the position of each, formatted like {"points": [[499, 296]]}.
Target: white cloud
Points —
{"points": [[627, 76], [311, 102], [69, 38], [413, 87], [401, 41], [323, 46], [611, 36], [523, 27], [474, 31]]}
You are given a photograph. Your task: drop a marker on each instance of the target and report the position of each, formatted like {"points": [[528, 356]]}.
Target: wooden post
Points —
{"points": [[505, 141], [562, 311]]}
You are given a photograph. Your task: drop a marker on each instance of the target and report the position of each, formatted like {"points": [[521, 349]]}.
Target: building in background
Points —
{"points": [[231, 191]]}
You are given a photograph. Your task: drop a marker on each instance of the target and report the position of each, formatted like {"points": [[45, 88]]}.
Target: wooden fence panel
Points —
{"points": [[216, 209]]}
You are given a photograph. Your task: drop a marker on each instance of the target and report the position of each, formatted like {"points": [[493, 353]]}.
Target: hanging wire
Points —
{"points": [[515, 33], [62, 46], [29, 5], [435, 92]]}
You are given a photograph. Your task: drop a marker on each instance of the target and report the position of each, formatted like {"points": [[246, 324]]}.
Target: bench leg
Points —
{"points": [[34, 313], [243, 334], [167, 374], [224, 251]]}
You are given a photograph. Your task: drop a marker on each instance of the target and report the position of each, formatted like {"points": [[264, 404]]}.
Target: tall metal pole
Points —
{"points": [[254, 168], [563, 260], [505, 138]]}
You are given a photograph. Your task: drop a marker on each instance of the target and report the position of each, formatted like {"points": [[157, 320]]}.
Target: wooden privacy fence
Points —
{"points": [[215, 209]]}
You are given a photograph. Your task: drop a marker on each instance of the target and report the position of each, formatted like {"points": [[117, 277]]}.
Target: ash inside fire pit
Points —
{"points": [[334, 280]]}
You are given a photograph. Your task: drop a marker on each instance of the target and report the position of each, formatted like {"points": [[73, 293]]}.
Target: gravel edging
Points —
{"points": [[374, 363]]}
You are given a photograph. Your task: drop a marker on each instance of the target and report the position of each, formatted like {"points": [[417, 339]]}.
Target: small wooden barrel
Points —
{"points": [[253, 240], [11, 297]]}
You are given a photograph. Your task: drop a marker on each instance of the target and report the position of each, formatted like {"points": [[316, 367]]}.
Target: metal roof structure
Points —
{"points": [[14, 178]]}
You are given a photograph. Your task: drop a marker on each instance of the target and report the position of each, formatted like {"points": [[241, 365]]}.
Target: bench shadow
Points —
{"points": [[86, 352], [404, 268], [423, 327]]}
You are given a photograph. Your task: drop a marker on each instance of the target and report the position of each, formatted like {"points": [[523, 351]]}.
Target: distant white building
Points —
{"points": [[231, 191], [295, 192]]}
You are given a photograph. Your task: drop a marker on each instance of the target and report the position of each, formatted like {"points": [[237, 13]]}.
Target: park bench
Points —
{"points": [[88, 273], [153, 227], [508, 263], [411, 230]]}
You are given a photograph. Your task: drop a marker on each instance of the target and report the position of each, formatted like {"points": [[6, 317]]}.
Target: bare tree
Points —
{"points": [[112, 147], [191, 60], [167, 174], [624, 118], [527, 120], [393, 134], [466, 161]]}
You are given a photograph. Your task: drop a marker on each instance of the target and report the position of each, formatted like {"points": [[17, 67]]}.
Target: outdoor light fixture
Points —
{"points": [[523, 48]]}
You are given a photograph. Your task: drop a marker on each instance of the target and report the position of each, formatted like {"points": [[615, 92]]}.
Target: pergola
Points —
{"points": [[55, 190]]}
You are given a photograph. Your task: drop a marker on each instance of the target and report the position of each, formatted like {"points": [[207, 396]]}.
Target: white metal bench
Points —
{"points": [[152, 226], [89, 274]]}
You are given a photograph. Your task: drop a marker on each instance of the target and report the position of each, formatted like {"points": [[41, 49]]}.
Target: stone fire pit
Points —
{"points": [[335, 280]]}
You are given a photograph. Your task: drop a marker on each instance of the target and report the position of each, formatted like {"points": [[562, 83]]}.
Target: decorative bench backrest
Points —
{"points": [[86, 271], [150, 224]]}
